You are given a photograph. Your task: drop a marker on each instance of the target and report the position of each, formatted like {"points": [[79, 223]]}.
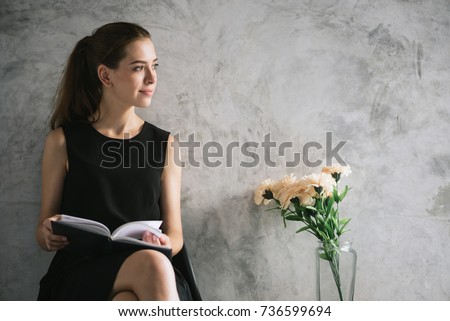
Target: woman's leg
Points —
{"points": [[148, 275]]}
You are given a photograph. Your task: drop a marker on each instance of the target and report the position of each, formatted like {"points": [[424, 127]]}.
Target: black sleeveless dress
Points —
{"points": [[113, 181]]}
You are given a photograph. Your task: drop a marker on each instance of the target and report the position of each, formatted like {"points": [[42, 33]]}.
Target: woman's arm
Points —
{"points": [[170, 198], [54, 169]]}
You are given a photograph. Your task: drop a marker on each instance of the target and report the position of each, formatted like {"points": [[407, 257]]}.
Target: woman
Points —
{"points": [[107, 75]]}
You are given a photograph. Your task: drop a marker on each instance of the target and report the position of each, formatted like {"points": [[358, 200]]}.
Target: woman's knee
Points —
{"points": [[125, 296], [153, 261], [149, 263], [149, 274]]}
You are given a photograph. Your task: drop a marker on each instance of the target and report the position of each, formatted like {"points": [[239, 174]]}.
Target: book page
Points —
{"points": [[136, 229], [132, 240], [85, 224]]}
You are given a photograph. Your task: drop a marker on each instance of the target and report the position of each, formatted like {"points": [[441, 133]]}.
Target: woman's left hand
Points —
{"points": [[151, 238]]}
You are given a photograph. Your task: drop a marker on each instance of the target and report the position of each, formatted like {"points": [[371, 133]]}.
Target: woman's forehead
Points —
{"points": [[142, 50]]}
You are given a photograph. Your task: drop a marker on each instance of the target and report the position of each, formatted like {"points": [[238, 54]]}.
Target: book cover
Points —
{"points": [[91, 242]]}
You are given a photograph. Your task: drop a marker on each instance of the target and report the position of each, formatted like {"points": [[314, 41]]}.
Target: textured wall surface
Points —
{"points": [[375, 74]]}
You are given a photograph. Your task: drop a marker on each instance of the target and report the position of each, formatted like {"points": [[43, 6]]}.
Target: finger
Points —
{"points": [[163, 239], [58, 238], [58, 241], [147, 237], [47, 224], [155, 240], [55, 246], [48, 221]]}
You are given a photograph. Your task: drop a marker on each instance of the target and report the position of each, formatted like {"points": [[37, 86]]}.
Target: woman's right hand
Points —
{"points": [[48, 240], [151, 238]]}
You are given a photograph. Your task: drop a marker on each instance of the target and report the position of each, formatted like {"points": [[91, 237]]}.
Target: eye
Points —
{"points": [[138, 68], [155, 66]]}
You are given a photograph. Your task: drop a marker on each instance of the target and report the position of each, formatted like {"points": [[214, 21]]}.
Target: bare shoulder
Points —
{"points": [[56, 141], [173, 161], [171, 139], [173, 146]]}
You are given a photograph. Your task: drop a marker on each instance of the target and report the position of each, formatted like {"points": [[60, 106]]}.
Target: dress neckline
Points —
{"points": [[118, 139]]}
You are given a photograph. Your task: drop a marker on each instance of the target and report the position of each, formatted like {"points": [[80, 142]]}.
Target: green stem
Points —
{"points": [[337, 212], [333, 259]]}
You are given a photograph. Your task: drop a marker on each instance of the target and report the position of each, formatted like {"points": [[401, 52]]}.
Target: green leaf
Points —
{"points": [[324, 256], [312, 224], [341, 197], [322, 234], [311, 208], [319, 215], [292, 217], [313, 233], [320, 218], [333, 213], [344, 221], [329, 229], [307, 217], [304, 228], [330, 204], [336, 195], [335, 221], [342, 224], [299, 209]]}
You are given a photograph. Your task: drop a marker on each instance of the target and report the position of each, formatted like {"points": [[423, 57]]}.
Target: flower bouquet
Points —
{"points": [[314, 201]]}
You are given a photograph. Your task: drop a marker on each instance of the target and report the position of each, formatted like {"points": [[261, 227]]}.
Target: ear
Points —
{"points": [[104, 74]]}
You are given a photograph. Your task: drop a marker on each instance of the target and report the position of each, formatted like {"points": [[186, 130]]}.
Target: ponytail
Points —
{"points": [[79, 91]]}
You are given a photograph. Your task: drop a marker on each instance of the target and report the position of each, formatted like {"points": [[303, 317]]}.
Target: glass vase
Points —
{"points": [[335, 271]]}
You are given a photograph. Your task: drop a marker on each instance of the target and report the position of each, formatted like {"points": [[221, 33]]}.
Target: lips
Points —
{"points": [[146, 92]]}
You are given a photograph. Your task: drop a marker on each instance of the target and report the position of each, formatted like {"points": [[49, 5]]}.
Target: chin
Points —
{"points": [[143, 104]]}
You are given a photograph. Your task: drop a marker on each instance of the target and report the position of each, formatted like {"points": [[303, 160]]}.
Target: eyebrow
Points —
{"points": [[142, 61]]}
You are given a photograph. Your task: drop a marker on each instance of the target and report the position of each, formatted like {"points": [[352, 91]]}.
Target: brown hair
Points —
{"points": [[79, 91]]}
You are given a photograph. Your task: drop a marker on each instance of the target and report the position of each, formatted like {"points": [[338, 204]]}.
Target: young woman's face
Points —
{"points": [[134, 81]]}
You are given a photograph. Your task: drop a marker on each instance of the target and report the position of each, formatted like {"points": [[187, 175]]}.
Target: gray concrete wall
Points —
{"points": [[374, 73]]}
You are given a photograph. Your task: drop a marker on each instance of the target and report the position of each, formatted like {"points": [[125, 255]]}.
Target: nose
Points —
{"points": [[150, 76]]}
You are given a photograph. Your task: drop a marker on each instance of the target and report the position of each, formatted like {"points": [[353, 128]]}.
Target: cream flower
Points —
{"points": [[306, 199], [324, 180], [337, 169], [289, 192], [297, 189], [261, 190], [283, 183]]}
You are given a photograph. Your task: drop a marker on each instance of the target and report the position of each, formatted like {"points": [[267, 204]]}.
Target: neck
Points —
{"points": [[117, 120]]}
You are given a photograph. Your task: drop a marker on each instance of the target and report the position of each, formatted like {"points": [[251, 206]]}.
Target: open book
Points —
{"points": [[91, 237]]}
